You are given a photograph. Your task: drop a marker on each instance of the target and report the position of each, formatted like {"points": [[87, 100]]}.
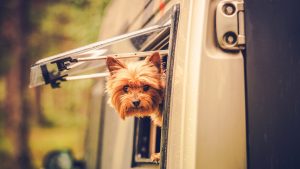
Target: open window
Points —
{"points": [[89, 62], [91, 58]]}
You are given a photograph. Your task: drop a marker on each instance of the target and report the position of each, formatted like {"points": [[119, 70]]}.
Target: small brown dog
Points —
{"points": [[136, 89]]}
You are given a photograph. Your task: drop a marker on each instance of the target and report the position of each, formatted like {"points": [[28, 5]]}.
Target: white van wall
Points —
{"points": [[207, 120]]}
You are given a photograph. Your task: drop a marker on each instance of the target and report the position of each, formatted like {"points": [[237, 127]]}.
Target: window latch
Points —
{"points": [[230, 27]]}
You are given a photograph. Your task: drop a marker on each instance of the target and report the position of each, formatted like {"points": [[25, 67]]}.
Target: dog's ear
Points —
{"points": [[155, 59], [114, 65]]}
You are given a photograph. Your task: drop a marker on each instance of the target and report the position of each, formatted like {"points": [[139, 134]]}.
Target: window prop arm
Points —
{"points": [[65, 64], [122, 55]]}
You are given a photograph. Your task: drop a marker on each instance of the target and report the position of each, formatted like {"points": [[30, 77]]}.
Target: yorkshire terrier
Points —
{"points": [[137, 89]]}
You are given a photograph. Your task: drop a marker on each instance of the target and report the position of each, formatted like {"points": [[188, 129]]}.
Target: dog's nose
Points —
{"points": [[136, 103]]}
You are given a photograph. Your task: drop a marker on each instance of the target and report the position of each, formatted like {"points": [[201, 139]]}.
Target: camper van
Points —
{"points": [[232, 88]]}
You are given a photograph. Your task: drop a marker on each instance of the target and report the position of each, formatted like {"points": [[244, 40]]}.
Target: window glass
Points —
{"points": [[56, 68]]}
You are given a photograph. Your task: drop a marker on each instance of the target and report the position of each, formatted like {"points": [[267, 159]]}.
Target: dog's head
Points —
{"points": [[135, 89]]}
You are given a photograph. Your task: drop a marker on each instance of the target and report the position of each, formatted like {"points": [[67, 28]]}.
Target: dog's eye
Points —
{"points": [[125, 88], [146, 87]]}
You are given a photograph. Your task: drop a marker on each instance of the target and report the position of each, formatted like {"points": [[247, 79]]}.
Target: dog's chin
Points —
{"points": [[138, 112]]}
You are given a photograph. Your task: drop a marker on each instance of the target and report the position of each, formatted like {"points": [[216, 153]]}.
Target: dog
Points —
{"points": [[137, 89]]}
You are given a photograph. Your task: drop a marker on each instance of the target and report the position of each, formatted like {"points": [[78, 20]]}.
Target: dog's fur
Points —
{"points": [[136, 88], [139, 81]]}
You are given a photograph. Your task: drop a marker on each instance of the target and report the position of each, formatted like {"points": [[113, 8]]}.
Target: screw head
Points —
{"points": [[229, 9], [230, 38]]}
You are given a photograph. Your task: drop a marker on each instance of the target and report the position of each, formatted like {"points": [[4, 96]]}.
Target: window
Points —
{"points": [[62, 67]]}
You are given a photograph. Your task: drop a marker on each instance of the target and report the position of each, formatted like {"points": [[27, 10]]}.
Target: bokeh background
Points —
{"points": [[36, 121]]}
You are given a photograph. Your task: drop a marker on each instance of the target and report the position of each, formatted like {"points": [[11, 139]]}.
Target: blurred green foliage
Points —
{"points": [[57, 26], [5, 146], [63, 25]]}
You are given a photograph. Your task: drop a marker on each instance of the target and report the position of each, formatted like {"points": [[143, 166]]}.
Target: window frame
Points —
{"points": [[168, 91], [156, 43]]}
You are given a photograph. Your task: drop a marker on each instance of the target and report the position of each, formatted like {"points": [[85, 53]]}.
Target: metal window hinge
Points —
{"points": [[230, 27]]}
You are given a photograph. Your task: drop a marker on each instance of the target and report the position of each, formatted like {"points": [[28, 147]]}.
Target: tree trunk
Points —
{"points": [[14, 31]]}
